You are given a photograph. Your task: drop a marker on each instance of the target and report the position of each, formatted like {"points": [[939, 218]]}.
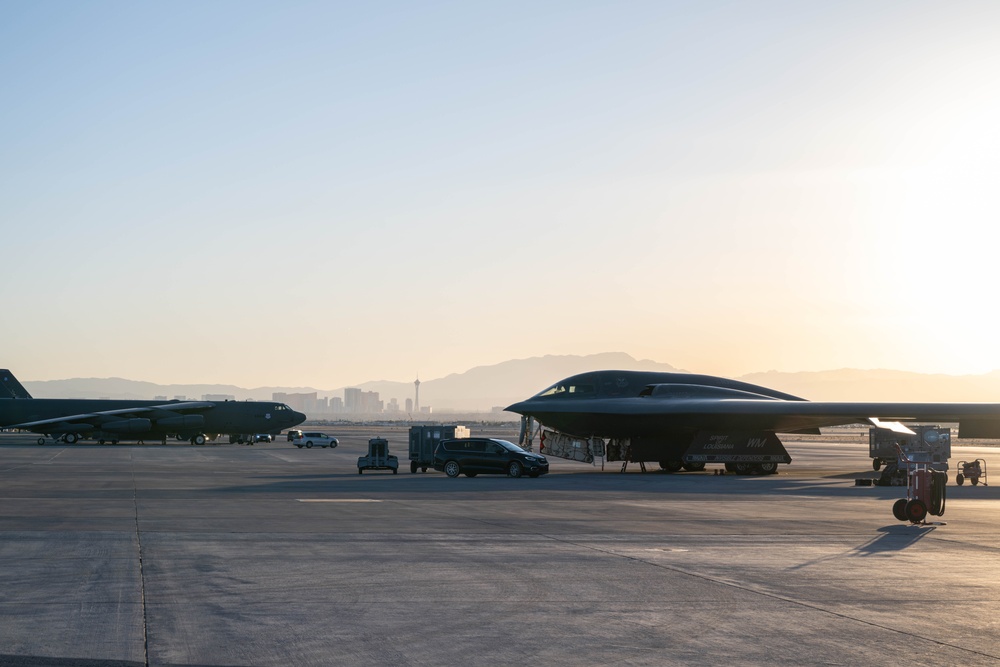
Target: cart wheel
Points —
{"points": [[974, 480], [960, 479], [897, 509], [413, 466], [915, 510], [876, 464]]}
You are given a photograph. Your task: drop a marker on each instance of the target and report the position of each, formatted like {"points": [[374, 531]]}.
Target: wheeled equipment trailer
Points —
{"points": [[925, 492], [378, 457], [972, 471]]}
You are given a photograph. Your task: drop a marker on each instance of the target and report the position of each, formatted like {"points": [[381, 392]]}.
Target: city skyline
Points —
{"points": [[273, 195]]}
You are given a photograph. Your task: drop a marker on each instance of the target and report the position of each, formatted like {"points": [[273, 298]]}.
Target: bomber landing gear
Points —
{"points": [[766, 468], [199, 439]]}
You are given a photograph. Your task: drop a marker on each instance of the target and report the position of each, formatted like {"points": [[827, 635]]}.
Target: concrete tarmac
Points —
{"points": [[270, 555]]}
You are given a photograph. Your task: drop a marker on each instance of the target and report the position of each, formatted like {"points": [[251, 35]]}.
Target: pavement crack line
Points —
{"points": [[142, 577], [735, 585], [775, 596], [35, 463]]}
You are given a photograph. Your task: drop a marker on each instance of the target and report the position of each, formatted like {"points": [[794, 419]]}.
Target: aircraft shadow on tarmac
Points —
{"points": [[590, 482], [585, 482], [8, 660]]}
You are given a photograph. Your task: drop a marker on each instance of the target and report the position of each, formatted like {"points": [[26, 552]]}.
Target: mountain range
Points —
{"points": [[484, 387]]}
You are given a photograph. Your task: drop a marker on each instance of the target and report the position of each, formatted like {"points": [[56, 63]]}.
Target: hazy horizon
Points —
{"points": [[316, 194]]}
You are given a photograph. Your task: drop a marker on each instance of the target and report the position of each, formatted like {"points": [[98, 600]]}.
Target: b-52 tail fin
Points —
{"points": [[10, 387]]}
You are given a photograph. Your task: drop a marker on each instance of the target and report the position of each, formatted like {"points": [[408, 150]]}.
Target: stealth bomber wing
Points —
{"points": [[661, 414]]}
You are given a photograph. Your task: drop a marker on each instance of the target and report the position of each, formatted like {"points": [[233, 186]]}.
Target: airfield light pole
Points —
{"points": [[416, 401]]}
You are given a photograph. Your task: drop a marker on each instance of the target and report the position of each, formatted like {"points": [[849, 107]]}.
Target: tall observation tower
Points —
{"points": [[416, 400]]}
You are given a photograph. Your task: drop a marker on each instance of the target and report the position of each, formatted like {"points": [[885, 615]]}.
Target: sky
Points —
{"points": [[322, 193]]}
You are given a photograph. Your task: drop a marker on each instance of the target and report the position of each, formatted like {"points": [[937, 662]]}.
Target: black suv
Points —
{"points": [[487, 455]]}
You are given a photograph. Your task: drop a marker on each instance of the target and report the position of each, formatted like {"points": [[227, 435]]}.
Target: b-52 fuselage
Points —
{"points": [[72, 418], [663, 414]]}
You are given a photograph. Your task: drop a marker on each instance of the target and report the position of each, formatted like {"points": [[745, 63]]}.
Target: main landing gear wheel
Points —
{"points": [[41, 441], [915, 511], [694, 467], [672, 466], [515, 469], [898, 509], [199, 439], [452, 469], [70, 438]]}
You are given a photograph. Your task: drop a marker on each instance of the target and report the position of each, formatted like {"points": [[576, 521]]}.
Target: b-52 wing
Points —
{"points": [[130, 419]]}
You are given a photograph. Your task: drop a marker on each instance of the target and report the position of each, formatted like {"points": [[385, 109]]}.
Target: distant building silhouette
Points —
{"points": [[352, 399]]}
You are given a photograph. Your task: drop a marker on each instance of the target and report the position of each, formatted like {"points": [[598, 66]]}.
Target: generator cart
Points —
{"points": [[925, 491], [425, 438], [972, 471], [378, 457]]}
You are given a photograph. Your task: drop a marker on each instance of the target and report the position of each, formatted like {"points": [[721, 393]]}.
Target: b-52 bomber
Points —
{"points": [[685, 420], [69, 419]]}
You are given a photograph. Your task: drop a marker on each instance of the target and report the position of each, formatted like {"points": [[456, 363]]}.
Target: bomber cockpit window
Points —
{"points": [[567, 390]]}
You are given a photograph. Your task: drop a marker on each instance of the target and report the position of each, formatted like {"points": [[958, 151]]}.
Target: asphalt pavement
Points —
{"points": [[229, 555]]}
